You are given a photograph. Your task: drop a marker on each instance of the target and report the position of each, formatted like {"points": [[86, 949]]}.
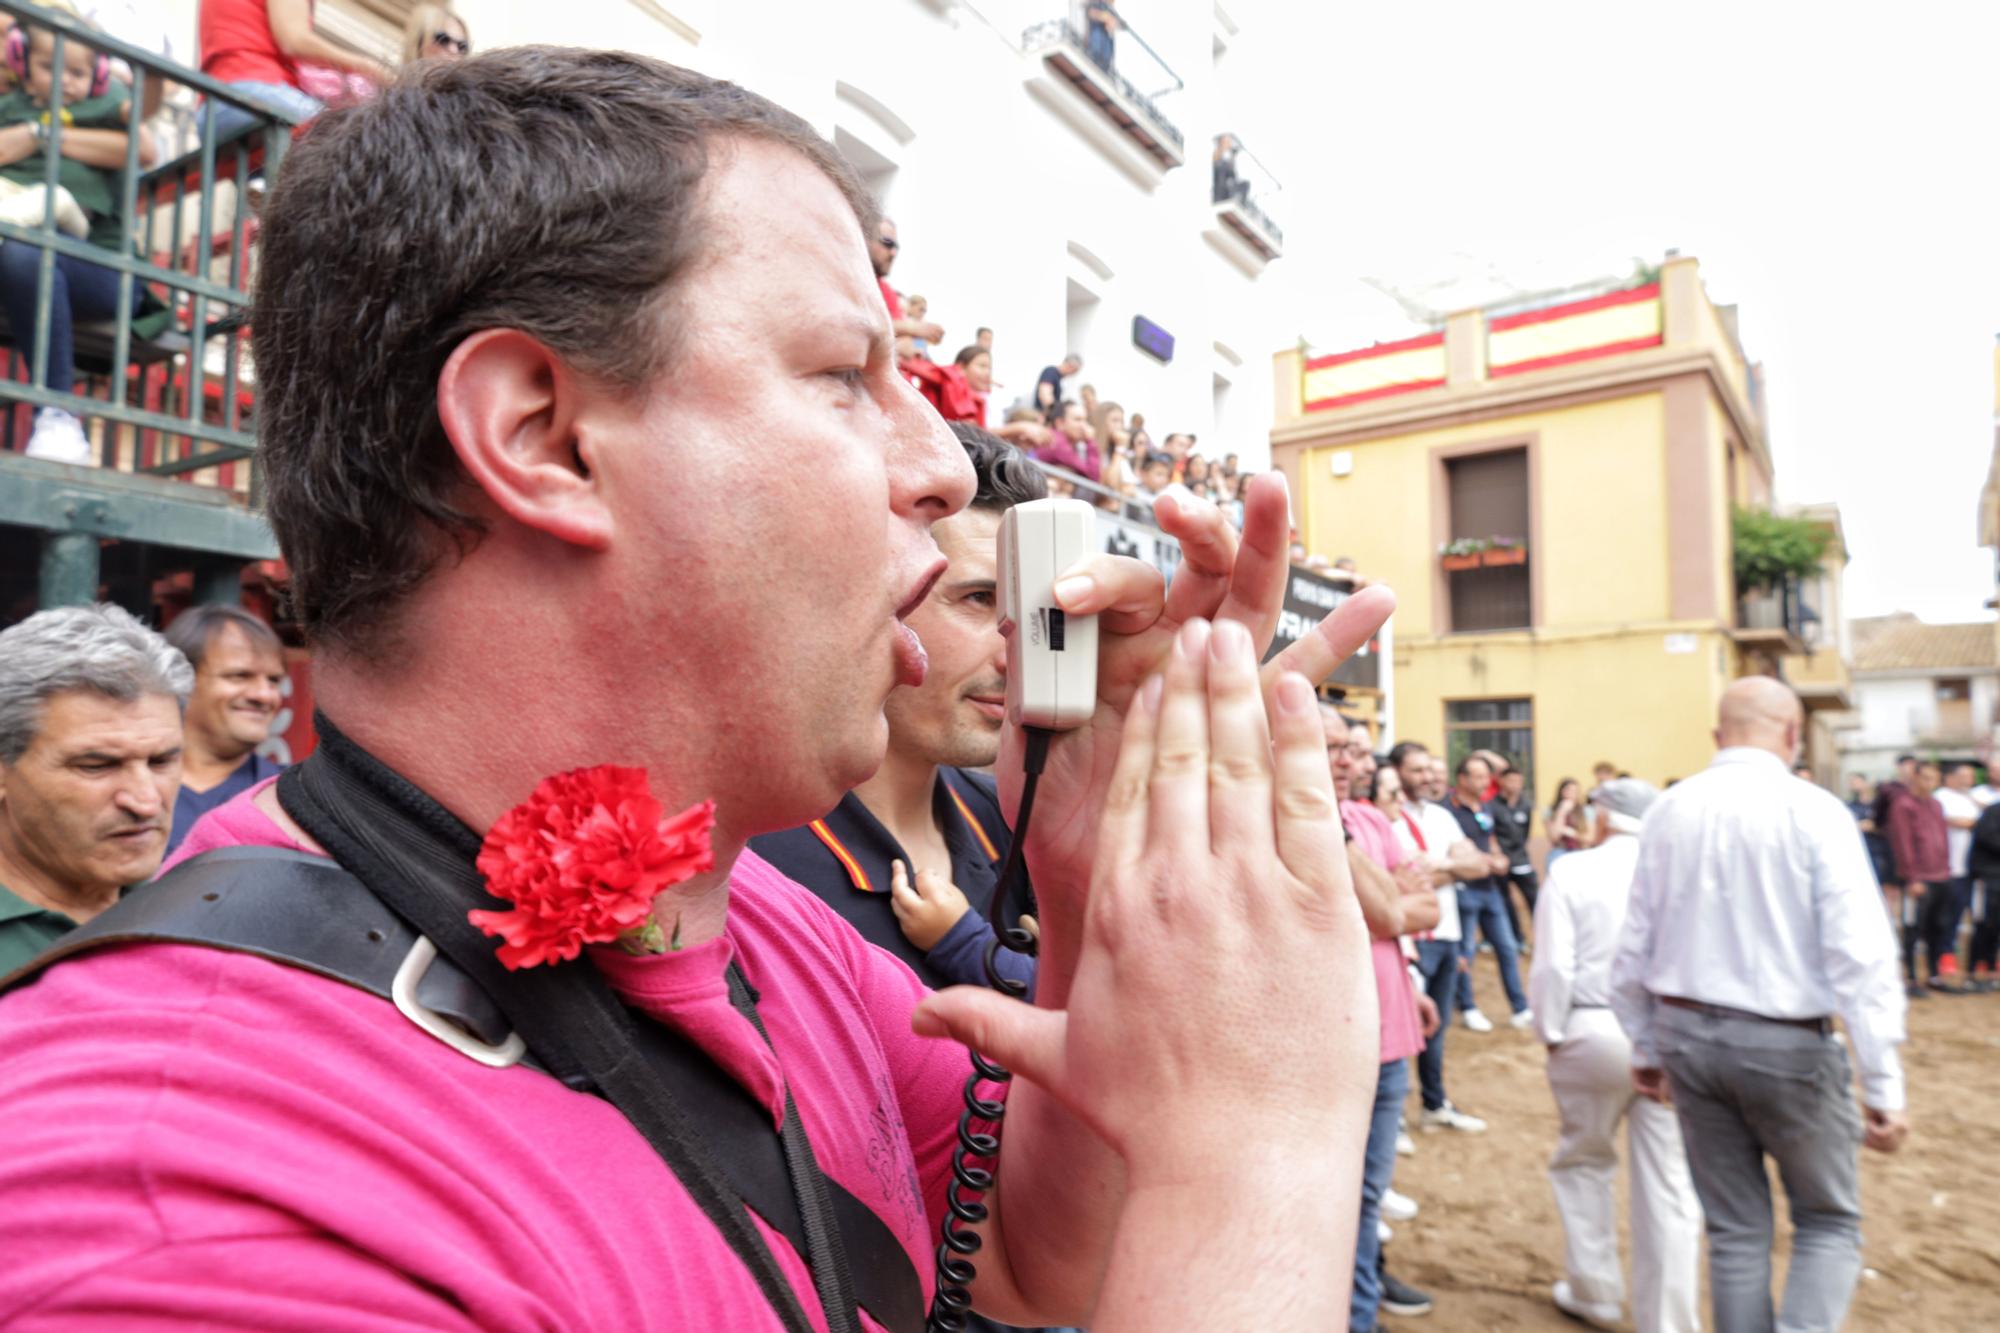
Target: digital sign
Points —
{"points": [[1151, 339]]}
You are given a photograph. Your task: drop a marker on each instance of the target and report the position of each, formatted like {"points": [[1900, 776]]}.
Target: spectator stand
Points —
{"points": [[166, 394]]}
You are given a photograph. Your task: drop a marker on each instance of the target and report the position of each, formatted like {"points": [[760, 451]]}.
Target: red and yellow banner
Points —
{"points": [[1578, 331], [1374, 372]]}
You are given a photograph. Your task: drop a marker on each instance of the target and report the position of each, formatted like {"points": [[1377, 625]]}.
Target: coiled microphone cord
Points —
{"points": [[965, 1206]]}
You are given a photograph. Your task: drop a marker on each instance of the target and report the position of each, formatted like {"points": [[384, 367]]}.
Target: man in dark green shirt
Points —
{"points": [[26, 930], [90, 763]]}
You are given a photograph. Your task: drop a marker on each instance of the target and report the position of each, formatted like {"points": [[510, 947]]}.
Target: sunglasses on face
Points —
{"points": [[451, 43]]}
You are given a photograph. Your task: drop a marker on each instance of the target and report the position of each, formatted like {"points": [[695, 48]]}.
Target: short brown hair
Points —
{"points": [[543, 189]]}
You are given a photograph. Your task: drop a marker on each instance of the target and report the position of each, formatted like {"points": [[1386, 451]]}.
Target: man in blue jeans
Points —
{"points": [[1396, 898], [1481, 902], [1426, 831]]}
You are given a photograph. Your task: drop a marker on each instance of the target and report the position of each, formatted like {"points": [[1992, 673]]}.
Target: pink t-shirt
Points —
{"points": [[1402, 1031], [209, 1138]]}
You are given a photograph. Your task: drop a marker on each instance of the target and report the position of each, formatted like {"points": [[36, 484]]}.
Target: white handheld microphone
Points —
{"points": [[1051, 654]]}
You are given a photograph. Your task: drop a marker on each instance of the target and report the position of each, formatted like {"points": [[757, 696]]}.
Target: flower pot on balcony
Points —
{"points": [[1455, 563], [1504, 555]]}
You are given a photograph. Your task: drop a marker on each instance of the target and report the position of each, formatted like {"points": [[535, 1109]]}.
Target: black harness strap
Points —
{"points": [[307, 912], [418, 858]]}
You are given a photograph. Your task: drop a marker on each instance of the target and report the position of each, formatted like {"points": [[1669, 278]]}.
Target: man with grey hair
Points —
{"points": [[1578, 915], [90, 762], [1754, 918]]}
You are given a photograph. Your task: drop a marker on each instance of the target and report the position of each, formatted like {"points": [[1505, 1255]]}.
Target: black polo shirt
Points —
{"points": [[1477, 825], [844, 858]]}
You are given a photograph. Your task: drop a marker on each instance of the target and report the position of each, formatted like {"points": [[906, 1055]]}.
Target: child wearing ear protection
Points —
{"points": [[92, 146]]}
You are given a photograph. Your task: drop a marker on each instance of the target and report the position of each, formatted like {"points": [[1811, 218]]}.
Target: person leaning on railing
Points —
{"points": [[93, 144]]}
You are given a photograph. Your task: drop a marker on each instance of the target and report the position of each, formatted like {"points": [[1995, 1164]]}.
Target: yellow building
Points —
{"points": [[1596, 447]]}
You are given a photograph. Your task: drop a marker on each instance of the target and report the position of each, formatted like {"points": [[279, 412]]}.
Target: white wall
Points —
{"points": [[1895, 711], [990, 188]]}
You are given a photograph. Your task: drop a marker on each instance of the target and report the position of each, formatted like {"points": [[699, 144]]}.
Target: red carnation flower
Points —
{"points": [[582, 860]]}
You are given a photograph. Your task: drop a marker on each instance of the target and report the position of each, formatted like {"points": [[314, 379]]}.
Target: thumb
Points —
{"points": [[1027, 1040]]}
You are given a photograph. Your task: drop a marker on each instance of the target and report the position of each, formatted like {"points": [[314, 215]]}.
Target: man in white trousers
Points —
{"points": [[1578, 917]]}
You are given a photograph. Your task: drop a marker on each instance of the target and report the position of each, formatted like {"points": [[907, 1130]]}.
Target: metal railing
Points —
{"points": [[153, 385], [1240, 179], [1124, 507], [1778, 608], [1118, 52]]}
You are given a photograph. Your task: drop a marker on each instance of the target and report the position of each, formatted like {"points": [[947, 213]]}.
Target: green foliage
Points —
{"points": [[1464, 546], [1770, 547]]}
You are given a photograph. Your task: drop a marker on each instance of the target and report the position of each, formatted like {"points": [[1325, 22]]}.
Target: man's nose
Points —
{"points": [[138, 795], [930, 472]]}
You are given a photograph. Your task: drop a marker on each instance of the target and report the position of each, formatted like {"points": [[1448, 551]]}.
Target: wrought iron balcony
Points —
{"points": [[1772, 620], [1095, 56], [1244, 193]]}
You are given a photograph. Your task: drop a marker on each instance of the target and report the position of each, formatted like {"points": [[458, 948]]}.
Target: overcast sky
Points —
{"points": [[1835, 169]]}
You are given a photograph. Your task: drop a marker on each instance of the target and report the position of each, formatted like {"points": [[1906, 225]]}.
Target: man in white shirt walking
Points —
{"points": [[1428, 833], [1578, 915], [1754, 917]]}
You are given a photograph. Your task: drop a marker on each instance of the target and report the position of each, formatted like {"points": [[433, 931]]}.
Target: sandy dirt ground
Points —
{"points": [[1487, 1244]]}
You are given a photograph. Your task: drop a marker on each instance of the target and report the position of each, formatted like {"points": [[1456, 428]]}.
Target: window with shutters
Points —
{"points": [[1504, 726], [1488, 500]]}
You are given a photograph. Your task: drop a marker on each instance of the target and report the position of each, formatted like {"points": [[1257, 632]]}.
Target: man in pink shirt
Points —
{"points": [[1393, 903], [496, 428]]}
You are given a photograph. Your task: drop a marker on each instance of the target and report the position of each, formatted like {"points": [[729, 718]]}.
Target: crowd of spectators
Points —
{"points": [[268, 50], [1092, 445]]}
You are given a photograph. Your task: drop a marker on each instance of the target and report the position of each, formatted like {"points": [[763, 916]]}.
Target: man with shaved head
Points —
{"points": [[1755, 918]]}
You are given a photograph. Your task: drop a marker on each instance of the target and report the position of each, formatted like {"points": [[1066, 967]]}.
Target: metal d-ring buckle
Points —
{"points": [[403, 990]]}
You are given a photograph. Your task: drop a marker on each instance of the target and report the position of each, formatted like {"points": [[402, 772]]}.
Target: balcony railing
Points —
{"points": [[1244, 193], [1772, 618], [163, 387], [1096, 49], [168, 385]]}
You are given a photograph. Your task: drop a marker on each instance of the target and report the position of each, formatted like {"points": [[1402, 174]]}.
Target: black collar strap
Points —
{"points": [[417, 858]]}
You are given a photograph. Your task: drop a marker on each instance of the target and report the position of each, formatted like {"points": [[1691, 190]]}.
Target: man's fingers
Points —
{"points": [[1257, 580], [1126, 595], [1208, 557], [1239, 763], [1021, 1037], [930, 884], [900, 891], [1310, 841], [1179, 813], [1335, 639], [1121, 831]]}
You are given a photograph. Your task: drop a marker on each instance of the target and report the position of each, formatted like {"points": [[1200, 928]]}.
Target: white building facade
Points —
{"points": [[995, 141], [1929, 690]]}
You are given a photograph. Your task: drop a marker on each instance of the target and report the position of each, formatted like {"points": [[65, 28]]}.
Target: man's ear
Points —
{"points": [[512, 408]]}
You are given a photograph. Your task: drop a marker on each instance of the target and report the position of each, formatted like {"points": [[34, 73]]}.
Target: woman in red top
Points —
{"points": [[255, 47]]}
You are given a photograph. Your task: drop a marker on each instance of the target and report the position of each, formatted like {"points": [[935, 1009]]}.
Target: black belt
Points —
{"points": [[1823, 1026]]}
